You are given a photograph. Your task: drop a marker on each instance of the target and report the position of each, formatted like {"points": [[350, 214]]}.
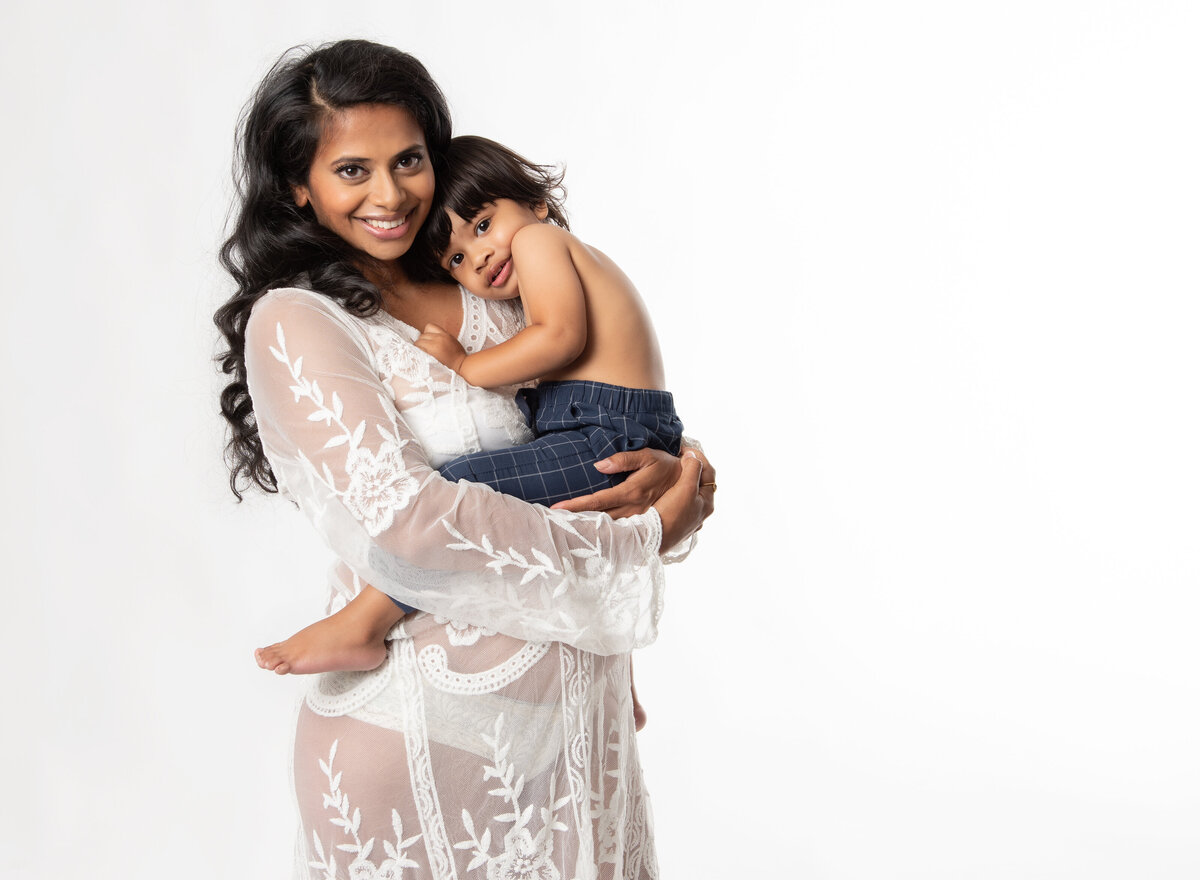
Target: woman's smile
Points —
{"points": [[386, 229]]}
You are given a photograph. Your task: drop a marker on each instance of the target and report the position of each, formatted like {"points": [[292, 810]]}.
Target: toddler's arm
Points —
{"points": [[555, 317]]}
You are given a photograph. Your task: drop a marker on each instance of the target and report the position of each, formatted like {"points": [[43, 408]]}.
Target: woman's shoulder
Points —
{"points": [[299, 308], [284, 298]]}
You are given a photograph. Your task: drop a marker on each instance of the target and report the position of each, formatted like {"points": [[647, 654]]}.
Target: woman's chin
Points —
{"points": [[385, 251]]}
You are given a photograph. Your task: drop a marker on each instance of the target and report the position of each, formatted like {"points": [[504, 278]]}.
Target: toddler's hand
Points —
{"points": [[436, 342]]}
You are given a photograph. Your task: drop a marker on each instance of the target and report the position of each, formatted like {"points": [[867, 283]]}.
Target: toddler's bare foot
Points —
{"points": [[352, 639]]}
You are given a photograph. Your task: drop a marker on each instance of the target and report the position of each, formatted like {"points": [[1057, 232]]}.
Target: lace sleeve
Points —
{"points": [[342, 451]]}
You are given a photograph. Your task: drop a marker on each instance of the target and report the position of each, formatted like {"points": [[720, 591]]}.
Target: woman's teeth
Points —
{"points": [[386, 224]]}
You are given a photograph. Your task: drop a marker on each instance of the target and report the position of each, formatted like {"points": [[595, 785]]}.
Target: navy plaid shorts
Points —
{"points": [[577, 424]]}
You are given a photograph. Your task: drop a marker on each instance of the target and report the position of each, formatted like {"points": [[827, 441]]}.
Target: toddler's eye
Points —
{"points": [[454, 262], [482, 226]]}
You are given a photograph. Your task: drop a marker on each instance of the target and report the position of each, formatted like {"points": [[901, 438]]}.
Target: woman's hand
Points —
{"points": [[654, 472], [681, 489], [689, 502]]}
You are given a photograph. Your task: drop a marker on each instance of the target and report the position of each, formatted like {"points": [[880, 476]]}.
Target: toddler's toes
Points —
{"points": [[283, 668], [269, 657]]}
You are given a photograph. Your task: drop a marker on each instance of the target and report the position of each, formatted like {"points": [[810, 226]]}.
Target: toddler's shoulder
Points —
{"points": [[543, 236]]}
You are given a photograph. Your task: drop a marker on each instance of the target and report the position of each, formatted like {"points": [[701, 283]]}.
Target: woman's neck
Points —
{"points": [[390, 278], [416, 303]]}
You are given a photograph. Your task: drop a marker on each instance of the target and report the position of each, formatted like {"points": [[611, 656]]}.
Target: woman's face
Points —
{"points": [[371, 181]]}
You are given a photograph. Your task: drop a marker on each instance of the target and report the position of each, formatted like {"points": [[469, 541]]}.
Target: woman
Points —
{"points": [[468, 752]]}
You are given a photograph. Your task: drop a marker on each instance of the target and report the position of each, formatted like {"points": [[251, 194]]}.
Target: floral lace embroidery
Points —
{"points": [[379, 482], [505, 319], [396, 357], [435, 665], [577, 677], [340, 693], [461, 634], [420, 765], [361, 867], [525, 856], [379, 485]]}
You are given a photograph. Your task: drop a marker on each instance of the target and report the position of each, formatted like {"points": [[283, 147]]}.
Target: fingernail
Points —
{"points": [[690, 454], [603, 465]]}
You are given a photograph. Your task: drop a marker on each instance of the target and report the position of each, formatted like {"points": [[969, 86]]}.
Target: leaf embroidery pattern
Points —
{"points": [[379, 484], [525, 855], [360, 867]]}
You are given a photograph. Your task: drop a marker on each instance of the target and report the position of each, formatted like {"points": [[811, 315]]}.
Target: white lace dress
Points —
{"points": [[497, 740]]}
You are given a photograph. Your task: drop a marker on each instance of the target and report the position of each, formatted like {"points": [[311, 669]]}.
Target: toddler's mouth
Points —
{"points": [[501, 273]]}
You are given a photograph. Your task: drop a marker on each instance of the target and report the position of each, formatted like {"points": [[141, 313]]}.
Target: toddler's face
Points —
{"points": [[479, 255]]}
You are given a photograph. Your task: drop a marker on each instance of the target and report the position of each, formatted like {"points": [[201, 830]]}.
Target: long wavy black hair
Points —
{"points": [[275, 243]]}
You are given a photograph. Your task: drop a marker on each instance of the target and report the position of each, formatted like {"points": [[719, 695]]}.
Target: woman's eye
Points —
{"points": [[408, 162], [482, 226], [351, 172]]}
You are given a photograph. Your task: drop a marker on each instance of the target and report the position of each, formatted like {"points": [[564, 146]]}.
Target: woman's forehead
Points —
{"points": [[366, 129]]}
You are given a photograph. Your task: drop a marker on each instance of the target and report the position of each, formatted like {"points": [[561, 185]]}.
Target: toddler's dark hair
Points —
{"points": [[474, 171]]}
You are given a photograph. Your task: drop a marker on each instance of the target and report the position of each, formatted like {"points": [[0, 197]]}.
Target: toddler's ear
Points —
{"points": [[541, 211]]}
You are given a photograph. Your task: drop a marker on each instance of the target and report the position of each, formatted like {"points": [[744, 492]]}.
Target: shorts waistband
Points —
{"points": [[616, 397]]}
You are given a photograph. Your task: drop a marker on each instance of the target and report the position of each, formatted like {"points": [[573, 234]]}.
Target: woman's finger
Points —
{"points": [[611, 501], [603, 500], [620, 462], [708, 474], [693, 467]]}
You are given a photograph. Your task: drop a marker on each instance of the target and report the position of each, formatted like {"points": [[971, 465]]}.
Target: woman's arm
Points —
{"points": [[345, 455]]}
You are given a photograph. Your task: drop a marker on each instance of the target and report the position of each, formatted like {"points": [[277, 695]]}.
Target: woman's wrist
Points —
{"points": [[689, 502]]}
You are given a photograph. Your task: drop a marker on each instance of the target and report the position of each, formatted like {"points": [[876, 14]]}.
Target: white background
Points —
{"points": [[925, 276]]}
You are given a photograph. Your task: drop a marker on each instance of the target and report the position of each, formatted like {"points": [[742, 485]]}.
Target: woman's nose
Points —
{"points": [[386, 193]]}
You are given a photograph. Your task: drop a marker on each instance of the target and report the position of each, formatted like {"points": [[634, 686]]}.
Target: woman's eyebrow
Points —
{"points": [[363, 160]]}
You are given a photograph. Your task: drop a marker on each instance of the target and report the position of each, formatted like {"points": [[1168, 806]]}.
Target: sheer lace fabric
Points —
{"points": [[497, 739]]}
